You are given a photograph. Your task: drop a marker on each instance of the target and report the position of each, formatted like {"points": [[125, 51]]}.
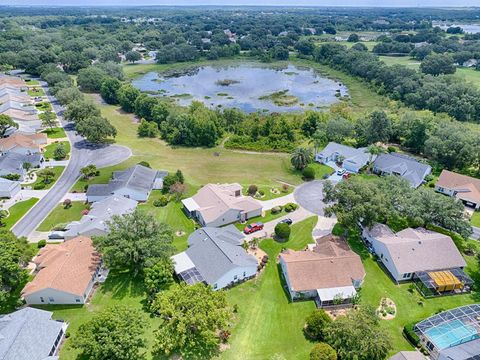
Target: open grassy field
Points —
{"points": [[62, 215], [50, 149], [17, 211], [55, 133]]}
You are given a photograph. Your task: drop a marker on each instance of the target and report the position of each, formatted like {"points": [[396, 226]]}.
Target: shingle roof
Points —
{"points": [[216, 251], [66, 267], [331, 264], [28, 334], [467, 187], [355, 156], [12, 162], [19, 140], [408, 355], [7, 185], [467, 351], [410, 169], [414, 250]]}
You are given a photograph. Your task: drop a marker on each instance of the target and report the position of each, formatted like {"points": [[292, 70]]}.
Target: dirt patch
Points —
{"points": [[387, 309], [335, 313]]}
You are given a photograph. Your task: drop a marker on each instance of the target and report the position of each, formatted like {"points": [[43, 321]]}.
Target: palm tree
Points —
{"points": [[301, 157]]}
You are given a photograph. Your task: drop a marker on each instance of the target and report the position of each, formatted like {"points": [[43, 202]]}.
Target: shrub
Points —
{"points": [[39, 186], [252, 190], [60, 152], [276, 209], [261, 192], [59, 227], [285, 187], [67, 203], [316, 324], [144, 163], [323, 351], [291, 207], [308, 173], [85, 212], [410, 334], [282, 231], [391, 149], [161, 201], [41, 244]]}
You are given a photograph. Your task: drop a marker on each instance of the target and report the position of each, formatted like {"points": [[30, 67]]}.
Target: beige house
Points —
{"points": [[217, 205], [23, 143], [65, 273], [462, 187]]}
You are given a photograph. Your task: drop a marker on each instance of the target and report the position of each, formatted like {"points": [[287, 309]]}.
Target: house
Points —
{"points": [[216, 257], [462, 187], [65, 273], [407, 167], [12, 163], [428, 258], [135, 183], [8, 94], [95, 222], [329, 271], [30, 334], [353, 159], [217, 205], [8, 188], [24, 144], [408, 355], [470, 63]]}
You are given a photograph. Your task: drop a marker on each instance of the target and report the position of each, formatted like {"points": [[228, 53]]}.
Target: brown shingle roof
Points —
{"points": [[67, 267], [331, 264], [23, 141], [468, 187]]}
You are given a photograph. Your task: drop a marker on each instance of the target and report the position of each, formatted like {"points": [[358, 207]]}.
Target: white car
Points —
{"points": [[340, 172]]}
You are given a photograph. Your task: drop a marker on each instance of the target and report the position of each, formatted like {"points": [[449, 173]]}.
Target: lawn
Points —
{"points": [[49, 149], [269, 216], [268, 194], [34, 91], [17, 211], [55, 133], [43, 106], [103, 178], [61, 215], [268, 323], [32, 82], [58, 170], [475, 219]]}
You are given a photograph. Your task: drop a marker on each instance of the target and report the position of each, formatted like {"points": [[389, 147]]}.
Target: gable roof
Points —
{"points": [[408, 355], [7, 185], [28, 334], [413, 250], [18, 140], [66, 267], [467, 187], [214, 200], [407, 167], [352, 155], [13, 162], [332, 264], [216, 251]]}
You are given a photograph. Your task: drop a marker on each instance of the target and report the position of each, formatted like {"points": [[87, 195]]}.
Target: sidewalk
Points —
{"points": [[23, 195], [282, 200]]}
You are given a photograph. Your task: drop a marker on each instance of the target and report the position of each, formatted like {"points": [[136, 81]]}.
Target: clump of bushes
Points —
{"points": [[276, 209], [161, 201], [410, 334], [285, 188], [316, 324], [282, 231], [39, 186], [41, 244], [391, 149], [308, 173], [291, 207], [252, 190], [323, 351]]}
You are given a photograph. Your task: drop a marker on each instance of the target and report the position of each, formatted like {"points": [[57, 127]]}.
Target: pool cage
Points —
{"points": [[449, 328], [445, 282]]}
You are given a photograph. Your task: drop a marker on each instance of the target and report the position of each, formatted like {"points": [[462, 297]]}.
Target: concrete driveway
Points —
{"points": [[310, 197], [82, 154]]}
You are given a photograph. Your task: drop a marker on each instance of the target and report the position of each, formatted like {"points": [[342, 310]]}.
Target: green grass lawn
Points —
{"points": [[35, 91], [58, 170], [61, 215], [32, 82], [268, 323], [49, 149], [268, 194], [103, 178], [476, 219], [17, 211], [264, 219], [55, 133], [43, 106]]}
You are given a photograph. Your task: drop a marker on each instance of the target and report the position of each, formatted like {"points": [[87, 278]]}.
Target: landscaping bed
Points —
{"points": [[41, 185]]}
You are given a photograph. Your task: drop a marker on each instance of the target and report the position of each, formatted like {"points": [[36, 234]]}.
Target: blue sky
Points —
{"points": [[372, 3]]}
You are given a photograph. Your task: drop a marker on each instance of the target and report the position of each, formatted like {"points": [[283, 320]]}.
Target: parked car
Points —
{"points": [[287, 221], [254, 227], [341, 171], [56, 235]]}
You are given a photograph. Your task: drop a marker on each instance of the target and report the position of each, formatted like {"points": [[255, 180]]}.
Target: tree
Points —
{"points": [[323, 351], [308, 173], [301, 157], [3, 215], [60, 152], [109, 89], [353, 38], [178, 190], [67, 95], [436, 64], [133, 56], [158, 277], [47, 175], [6, 123], [135, 241], [88, 171], [147, 129], [49, 119], [282, 231], [316, 324], [91, 78], [126, 96], [380, 127], [96, 129], [305, 46], [67, 204], [179, 176], [360, 327], [80, 110], [192, 319], [114, 333], [27, 166]]}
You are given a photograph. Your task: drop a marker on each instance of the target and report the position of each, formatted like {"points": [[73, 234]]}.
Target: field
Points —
{"points": [[61, 215], [17, 211]]}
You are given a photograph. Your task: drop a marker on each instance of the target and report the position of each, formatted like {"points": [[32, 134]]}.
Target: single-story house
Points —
{"points": [[12, 81], [12, 163], [353, 159], [407, 167], [30, 334], [408, 355], [8, 188], [217, 205], [23, 143], [7, 95], [135, 183], [426, 257], [216, 257], [329, 271], [65, 273], [95, 222], [462, 187]]}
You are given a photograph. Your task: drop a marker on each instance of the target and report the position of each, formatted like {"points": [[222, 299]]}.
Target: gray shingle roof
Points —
{"points": [[11, 163], [408, 355], [28, 334], [355, 156], [466, 351], [410, 169]]}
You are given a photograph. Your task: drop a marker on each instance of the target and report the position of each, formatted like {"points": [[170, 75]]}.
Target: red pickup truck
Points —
{"points": [[254, 227]]}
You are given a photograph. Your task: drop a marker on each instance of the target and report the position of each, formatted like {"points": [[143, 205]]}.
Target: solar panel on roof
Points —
{"points": [[191, 276]]}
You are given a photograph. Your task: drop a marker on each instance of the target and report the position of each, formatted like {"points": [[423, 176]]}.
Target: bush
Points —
{"points": [[67, 203], [144, 163], [60, 227], [285, 187], [60, 152], [291, 207], [316, 323], [161, 201], [391, 149], [41, 244], [39, 186], [252, 190], [276, 210], [308, 173], [282, 231], [261, 192], [411, 336], [323, 351]]}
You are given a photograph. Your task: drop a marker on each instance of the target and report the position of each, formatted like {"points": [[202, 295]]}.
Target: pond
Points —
{"points": [[467, 28], [248, 87]]}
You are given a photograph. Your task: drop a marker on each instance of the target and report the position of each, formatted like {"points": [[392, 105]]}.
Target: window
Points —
{"points": [[215, 286], [235, 277], [51, 299], [77, 300], [244, 273], [42, 299]]}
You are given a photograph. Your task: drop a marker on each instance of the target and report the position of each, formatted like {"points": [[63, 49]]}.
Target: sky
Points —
{"points": [[358, 3]]}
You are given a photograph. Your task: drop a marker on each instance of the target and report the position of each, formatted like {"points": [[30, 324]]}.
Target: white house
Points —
{"points": [[352, 159]]}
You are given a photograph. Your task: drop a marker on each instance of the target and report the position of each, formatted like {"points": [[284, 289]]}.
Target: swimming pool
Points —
{"points": [[451, 333]]}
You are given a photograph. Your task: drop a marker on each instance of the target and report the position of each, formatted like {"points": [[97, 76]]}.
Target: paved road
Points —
{"points": [[476, 233], [82, 154], [310, 197]]}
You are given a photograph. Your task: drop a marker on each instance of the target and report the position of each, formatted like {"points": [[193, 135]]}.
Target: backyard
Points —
{"points": [[62, 215], [55, 133], [17, 211]]}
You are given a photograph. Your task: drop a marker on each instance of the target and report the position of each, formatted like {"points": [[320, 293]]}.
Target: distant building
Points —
{"points": [[12, 163], [24, 144], [8, 188], [462, 187], [352, 159], [408, 355], [404, 166]]}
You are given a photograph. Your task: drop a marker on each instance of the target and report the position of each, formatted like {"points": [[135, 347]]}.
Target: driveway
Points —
{"points": [[82, 154], [279, 201], [476, 233], [310, 197]]}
